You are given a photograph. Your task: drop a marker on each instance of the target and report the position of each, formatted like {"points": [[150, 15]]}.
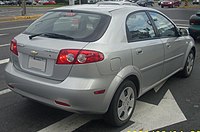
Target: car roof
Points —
{"points": [[115, 3], [104, 9]]}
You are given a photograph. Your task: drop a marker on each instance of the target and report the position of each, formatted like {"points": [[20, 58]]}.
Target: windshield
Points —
{"points": [[80, 26]]}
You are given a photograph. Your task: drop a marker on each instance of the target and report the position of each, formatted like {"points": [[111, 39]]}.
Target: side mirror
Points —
{"points": [[183, 32]]}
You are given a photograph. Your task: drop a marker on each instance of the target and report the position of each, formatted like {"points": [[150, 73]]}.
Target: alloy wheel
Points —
{"points": [[190, 63], [126, 103]]}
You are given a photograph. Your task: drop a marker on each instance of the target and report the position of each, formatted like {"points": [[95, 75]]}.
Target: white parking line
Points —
{"points": [[180, 20], [3, 34], [68, 124], [4, 45], [4, 61], [183, 25], [5, 91], [10, 28]]}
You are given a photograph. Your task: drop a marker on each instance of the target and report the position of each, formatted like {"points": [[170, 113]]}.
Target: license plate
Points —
{"points": [[37, 63]]}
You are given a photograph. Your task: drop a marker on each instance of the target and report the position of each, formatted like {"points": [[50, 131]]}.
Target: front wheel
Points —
{"points": [[122, 104], [189, 64]]}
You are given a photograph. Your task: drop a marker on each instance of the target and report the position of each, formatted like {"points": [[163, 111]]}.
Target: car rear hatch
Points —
{"points": [[39, 56], [57, 36]]}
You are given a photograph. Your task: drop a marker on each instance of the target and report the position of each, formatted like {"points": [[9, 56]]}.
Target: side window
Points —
{"points": [[164, 26], [139, 27]]}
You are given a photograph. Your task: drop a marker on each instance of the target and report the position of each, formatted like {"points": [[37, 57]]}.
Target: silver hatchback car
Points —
{"points": [[98, 59]]}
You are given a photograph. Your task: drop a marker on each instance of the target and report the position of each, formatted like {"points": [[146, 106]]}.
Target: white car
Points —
{"points": [[2, 3], [117, 3], [97, 58], [195, 2]]}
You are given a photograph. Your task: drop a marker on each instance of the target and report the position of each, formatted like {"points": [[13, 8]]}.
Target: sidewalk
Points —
{"points": [[18, 18]]}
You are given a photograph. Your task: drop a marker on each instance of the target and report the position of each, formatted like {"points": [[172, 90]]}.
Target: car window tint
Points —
{"points": [[81, 26], [78, 26], [139, 27], [164, 26]]}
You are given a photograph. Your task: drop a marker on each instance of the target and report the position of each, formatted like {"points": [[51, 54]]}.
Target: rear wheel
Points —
{"points": [[162, 6], [122, 104], [189, 64]]}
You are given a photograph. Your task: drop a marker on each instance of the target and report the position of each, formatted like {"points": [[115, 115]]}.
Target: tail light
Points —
{"points": [[75, 56], [194, 22], [13, 46]]}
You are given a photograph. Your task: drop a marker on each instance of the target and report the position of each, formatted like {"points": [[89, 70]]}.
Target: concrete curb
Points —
{"points": [[19, 18]]}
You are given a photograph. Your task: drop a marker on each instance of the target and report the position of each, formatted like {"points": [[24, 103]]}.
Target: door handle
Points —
{"points": [[168, 45], [139, 51]]}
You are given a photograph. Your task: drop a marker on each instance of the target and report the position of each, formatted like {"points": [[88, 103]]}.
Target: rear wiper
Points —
{"points": [[52, 35]]}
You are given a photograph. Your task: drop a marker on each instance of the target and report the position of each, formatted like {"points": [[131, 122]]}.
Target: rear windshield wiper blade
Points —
{"points": [[52, 35], [39, 34]]}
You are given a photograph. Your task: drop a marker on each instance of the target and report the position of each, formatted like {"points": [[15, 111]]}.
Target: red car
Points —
{"points": [[47, 2], [170, 3]]}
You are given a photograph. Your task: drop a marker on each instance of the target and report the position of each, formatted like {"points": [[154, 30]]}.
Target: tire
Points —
{"points": [[189, 64], [162, 6], [122, 104]]}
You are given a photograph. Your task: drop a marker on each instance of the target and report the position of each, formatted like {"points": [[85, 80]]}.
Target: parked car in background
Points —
{"points": [[2, 3], [47, 2], [170, 3], [92, 1], [194, 28], [145, 3], [97, 58], [36, 1], [195, 2], [29, 2], [12, 2], [159, 2]]}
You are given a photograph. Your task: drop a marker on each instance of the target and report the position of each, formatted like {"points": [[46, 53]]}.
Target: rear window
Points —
{"points": [[81, 26]]}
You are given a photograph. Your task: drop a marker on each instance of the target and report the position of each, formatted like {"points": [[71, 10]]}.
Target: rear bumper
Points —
{"points": [[77, 92]]}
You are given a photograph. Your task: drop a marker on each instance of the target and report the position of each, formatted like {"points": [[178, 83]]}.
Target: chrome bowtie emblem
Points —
{"points": [[34, 53]]}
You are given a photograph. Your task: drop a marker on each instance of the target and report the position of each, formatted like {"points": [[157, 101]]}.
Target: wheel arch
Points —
{"points": [[135, 80], [191, 46], [194, 50], [129, 73]]}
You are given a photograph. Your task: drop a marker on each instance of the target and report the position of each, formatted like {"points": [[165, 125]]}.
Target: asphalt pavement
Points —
{"points": [[175, 107]]}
